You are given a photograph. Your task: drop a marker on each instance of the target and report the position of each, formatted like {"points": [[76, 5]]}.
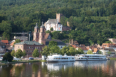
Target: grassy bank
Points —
{"points": [[20, 61], [112, 58]]}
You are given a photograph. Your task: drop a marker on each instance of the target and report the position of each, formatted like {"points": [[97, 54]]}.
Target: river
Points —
{"points": [[60, 69]]}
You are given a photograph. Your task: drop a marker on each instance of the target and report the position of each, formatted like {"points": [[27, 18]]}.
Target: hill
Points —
{"points": [[92, 21]]}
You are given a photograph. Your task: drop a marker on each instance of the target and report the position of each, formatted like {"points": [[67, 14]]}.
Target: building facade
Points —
{"points": [[54, 23], [40, 35], [28, 46]]}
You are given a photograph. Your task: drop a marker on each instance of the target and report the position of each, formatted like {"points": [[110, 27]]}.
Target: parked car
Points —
{"points": [[31, 58]]}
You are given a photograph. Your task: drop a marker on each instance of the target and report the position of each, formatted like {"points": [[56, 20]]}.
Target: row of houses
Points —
{"points": [[105, 48]]}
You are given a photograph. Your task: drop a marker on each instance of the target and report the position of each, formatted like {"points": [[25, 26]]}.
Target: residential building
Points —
{"points": [[2, 47], [28, 46], [5, 41]]}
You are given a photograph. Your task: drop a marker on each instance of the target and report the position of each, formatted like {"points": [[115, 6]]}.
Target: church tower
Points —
{"points": [[36, 33], [42, 34]]}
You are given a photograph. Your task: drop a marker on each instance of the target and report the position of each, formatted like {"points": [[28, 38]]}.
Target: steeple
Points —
{"points": [[36, 26], [42, 26]]}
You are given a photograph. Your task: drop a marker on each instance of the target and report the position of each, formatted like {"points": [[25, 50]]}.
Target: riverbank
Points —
{"points": [[112, 58], [20, 61]]}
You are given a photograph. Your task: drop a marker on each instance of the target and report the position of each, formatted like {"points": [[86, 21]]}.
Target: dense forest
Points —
{"points": [[92, 21]]}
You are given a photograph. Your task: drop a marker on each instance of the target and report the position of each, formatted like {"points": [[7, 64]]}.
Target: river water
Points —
{"points": [[60, 69]]}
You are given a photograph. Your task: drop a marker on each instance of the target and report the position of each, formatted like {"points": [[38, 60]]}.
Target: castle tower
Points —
{"points": [[36, 33], [42, 34], [58, 16]]}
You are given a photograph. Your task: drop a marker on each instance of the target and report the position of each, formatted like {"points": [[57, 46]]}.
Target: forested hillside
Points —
{"points": [[92, 21]]}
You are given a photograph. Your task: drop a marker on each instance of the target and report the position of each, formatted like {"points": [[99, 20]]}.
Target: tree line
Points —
{"points": [[92, 21]]}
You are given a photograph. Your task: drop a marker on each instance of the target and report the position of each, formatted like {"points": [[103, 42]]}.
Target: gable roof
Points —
{"points": [[4, 41], [46, 36], [59, 42], [54, 21], [28, 43]]}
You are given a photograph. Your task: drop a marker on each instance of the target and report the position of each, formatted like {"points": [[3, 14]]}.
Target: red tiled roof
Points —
{"points": [[12, 43], [74, 46], [4, 41]]}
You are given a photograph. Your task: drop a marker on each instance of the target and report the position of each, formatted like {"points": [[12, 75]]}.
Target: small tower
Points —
{"points": [[36, 33], [42, 34], [58, 16]]}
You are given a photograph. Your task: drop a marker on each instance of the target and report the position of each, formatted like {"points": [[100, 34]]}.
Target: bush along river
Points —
{"points": [[60, 69]]}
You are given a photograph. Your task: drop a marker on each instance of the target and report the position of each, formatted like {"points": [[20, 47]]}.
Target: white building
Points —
{"points": [[54, 23]]}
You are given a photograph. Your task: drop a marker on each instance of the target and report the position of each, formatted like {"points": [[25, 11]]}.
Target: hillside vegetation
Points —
{"points": [[92, 21]]}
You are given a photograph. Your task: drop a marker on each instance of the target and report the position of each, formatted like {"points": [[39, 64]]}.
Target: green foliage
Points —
{"points": [[13, 53], [54, 49], [99, 52], [7, 57], [24, 53], [17, 41], [19, 53], [35, 53], [46, 51], [52, 43], [80, 51], [51, 29], [89, 52], [92, 21]]}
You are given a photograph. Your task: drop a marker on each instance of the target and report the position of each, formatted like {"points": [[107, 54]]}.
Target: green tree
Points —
{"points": [[89, 52], [7, 57], [55, 49], [80, 51], [51, 29], [17, 41], [24, 53], [45, 51], [19, 53], [13, 53], [52, 43], [35, 53], [64, 50], [71, 51], [6, 36]]}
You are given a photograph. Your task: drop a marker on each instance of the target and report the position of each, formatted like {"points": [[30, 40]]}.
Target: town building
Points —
{"points": [[2, 47], [28, 46]]}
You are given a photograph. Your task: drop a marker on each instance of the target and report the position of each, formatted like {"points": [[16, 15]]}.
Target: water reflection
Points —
{"points": [[61, 69]]}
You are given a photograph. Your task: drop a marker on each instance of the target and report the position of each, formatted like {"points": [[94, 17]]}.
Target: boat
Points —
{"points": [[59, 58], [90, 57]]}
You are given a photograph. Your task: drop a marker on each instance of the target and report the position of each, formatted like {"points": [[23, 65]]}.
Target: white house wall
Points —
{"points": [[56, 27]]}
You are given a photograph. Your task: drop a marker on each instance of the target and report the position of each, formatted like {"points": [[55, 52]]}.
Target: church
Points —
{"points": [[40, 35], [54, 23], [44, 38]]}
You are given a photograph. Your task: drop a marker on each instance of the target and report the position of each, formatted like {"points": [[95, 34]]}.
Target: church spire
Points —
{"points": [[36, 26]]}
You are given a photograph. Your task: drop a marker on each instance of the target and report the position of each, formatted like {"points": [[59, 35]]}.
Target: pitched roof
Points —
{"points": [[28, 43], [59, 42], [54, 21], [46, 36], [4, 41], [12, 43], [74, 46]]}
